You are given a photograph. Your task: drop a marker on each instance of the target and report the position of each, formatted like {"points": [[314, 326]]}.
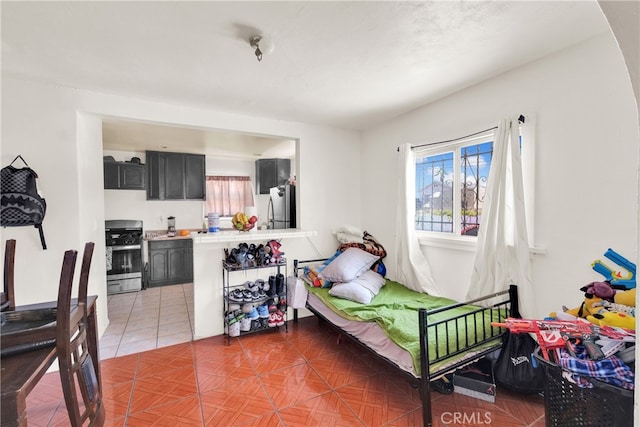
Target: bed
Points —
{"points": [[413, 332]]}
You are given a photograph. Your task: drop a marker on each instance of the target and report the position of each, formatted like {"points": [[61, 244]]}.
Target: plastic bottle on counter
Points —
{"points": [[214, 222]]}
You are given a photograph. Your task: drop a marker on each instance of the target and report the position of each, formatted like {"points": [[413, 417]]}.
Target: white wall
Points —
{"points": [[56, 130], [586, 163]]}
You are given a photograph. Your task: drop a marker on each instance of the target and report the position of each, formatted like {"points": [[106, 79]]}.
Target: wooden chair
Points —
{"points": [[80, 383], [7, 298]]}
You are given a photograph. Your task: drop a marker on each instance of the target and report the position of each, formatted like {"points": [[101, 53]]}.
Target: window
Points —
{"points": [[451, 181], [227, 195]]}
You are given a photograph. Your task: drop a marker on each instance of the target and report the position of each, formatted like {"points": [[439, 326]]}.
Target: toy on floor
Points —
{"points": [[616, 277]]}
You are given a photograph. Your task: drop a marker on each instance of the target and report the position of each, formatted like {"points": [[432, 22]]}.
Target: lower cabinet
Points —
{"points": [[170, 262]]}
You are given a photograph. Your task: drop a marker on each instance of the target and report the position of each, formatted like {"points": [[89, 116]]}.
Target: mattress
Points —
{"points": [[404, 351], [368, 333]]}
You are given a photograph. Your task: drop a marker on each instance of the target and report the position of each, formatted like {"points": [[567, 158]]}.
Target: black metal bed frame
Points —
{"points": [[501, 306]]}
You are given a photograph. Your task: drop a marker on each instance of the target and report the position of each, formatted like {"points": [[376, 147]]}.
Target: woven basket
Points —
{"points": [[567, 405]]}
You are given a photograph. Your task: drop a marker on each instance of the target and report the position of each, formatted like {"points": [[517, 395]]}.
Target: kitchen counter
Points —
{"points": [[162, 234], [226, 236], [229, 235]]}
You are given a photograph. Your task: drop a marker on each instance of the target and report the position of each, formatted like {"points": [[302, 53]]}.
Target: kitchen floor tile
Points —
{"points": [[140, 321], [182, 316], [136, 347]]}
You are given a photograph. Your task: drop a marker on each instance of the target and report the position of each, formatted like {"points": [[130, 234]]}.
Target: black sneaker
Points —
{"points": [[443, 385]]}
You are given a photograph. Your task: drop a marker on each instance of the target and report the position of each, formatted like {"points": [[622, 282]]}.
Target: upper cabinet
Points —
{"points": [[271, 173], [123, 175], [175, 176]]}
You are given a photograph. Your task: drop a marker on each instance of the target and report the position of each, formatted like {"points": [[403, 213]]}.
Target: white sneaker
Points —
{"points": [[234, 329], [245, 324]]}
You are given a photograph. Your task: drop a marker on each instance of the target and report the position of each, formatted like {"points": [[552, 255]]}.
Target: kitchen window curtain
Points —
{"points": [[412, 267], [227, 195], [502, 252]]}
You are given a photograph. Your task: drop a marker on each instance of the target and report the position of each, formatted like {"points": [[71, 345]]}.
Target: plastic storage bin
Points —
{"points": [[567, 405]]}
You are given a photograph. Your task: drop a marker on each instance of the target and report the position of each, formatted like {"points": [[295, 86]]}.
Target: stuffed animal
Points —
{"points": [[589, 306], [610, 318], [627, 298], [599, 289], [619, 313]]}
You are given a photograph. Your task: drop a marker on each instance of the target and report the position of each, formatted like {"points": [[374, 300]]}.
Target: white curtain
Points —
{"points": [[502, 253], [227, 195], [412, 267]]}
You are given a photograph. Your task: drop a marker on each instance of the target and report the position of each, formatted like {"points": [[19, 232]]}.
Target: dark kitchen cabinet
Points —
{"points": [[175, 176], [170, 262], [194, 177], [124, 176], [271, 173]]}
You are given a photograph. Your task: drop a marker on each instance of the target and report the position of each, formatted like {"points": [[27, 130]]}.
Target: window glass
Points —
{"points": [[434, 192], [450, 186]]}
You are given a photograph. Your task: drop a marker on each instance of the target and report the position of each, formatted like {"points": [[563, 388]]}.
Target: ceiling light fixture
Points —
{"points": [[262, 45]]}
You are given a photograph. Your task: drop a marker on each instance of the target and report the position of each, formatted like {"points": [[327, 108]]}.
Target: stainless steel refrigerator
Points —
{"points": [[282, 207]]}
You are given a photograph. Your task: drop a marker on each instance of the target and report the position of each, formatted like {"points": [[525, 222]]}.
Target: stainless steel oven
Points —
{"points": [[123, 240]]}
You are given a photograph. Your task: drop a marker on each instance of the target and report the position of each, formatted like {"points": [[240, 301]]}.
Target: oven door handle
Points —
{"points": [[124, 248]]}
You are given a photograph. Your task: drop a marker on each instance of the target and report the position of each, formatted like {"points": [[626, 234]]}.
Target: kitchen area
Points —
{"points": [[157, 230]]}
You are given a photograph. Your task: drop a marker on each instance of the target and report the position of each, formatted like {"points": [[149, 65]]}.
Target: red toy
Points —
{"points": [[554, 334]]}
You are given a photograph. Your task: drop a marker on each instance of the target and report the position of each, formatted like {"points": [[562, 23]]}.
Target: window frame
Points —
{"points": [[456, 241]]}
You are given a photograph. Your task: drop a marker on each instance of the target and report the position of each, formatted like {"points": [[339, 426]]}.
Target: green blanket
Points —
{"points": [[395, 309]]}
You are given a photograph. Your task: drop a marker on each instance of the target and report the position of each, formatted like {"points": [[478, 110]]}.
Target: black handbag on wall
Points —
{"points": [[20, 204]]}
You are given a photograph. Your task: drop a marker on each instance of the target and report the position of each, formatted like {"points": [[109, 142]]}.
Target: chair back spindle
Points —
{"points": [[80, 384], [8, 301]]}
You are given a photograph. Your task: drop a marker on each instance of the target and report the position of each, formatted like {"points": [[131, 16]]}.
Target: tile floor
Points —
{"points": [[302, 377], [152, 318]]}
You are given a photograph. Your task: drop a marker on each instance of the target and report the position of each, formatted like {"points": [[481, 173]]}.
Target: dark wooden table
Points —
{"points": [[21, 372]]}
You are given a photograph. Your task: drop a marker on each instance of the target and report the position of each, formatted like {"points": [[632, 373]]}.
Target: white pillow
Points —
{"points": [[348, 265], [361, 290]]}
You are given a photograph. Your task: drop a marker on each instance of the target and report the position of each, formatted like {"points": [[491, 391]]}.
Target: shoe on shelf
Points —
{"points": [[271, 290], [253, 314], [279, 318], [233, 316], [272, 308], [247, 295], [245, 324], [280, 284], [256, 324], [273, 322], [263, 311], [282, 302], [236, 295], [234, 329], [234, 307], [246, 308]]}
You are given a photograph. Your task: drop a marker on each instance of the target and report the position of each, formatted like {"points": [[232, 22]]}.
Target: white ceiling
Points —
{"points": [[345, 64]]}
